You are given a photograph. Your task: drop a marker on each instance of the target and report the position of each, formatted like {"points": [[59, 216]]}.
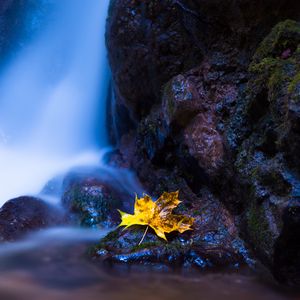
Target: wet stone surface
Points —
{"points": [[24, 215]]}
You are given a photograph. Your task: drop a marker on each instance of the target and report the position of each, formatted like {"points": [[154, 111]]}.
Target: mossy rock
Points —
{"points": [[259, 231], [267, 164], [275, 70], [93, 202], [212, 243], [285, 35], [294, 87]]}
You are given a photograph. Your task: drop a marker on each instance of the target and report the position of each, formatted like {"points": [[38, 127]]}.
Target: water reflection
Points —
{"points": [[53, 265]]}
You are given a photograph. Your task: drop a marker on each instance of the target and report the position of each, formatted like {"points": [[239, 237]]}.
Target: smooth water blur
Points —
{"points": [[53, 98], [51, 265]]}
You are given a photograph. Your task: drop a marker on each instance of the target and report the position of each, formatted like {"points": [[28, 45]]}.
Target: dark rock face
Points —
{"points": [[286, 253], [152, 33], [226, 122], [267, 162], [23, 215], [167, 38]]}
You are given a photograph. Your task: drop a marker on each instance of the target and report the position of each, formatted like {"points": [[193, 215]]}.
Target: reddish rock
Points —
{"points": [[204, 142], [24, 215]]}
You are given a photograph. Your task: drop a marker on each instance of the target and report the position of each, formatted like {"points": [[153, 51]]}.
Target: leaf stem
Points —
{"points": [[144, 235]]}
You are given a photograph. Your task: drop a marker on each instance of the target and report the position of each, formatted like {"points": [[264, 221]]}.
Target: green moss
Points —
{"points": [[267, 63], [284, 35], [175, 248], [272, 74], [182, 208], [259, 231], [146, 245], [278, 80], [294, 83]]}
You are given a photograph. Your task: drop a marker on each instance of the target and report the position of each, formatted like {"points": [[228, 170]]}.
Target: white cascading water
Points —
{"points": [[53, 99]]}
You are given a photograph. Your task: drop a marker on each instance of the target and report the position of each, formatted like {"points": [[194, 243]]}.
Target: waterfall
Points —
{"points": [[53, 98]]}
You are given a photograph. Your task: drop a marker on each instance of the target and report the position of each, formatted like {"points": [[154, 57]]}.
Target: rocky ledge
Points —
{"points": [[213, 242], [211, 91]]}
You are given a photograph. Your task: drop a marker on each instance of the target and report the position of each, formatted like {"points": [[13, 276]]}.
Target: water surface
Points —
{"points": [[53, 265]]}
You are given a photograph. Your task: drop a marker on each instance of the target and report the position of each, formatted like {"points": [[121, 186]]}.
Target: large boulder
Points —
{"points": [[152, 33]]}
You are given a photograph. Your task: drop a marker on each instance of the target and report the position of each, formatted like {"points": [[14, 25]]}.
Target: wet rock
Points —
{"points": [[163, 49], [94, 200], [194, 105], [229, 123], [180, 101], [267, 163], [204, 142], [150, 42], [152, 134], [214, 242], [23, 215]]}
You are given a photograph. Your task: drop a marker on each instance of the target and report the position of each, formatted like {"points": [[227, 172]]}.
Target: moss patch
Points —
{"points": [[285, 35], [294, 88], [259, 231]]}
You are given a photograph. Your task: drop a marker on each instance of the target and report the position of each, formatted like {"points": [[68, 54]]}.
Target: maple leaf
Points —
{"points": [[157, 215]]}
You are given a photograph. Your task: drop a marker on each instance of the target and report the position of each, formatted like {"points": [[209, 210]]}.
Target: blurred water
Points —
{"points": [[52, 265], [53, 97]]}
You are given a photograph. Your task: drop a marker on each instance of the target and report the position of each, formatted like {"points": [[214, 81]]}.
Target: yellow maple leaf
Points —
{"points": [[157, 215]]}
